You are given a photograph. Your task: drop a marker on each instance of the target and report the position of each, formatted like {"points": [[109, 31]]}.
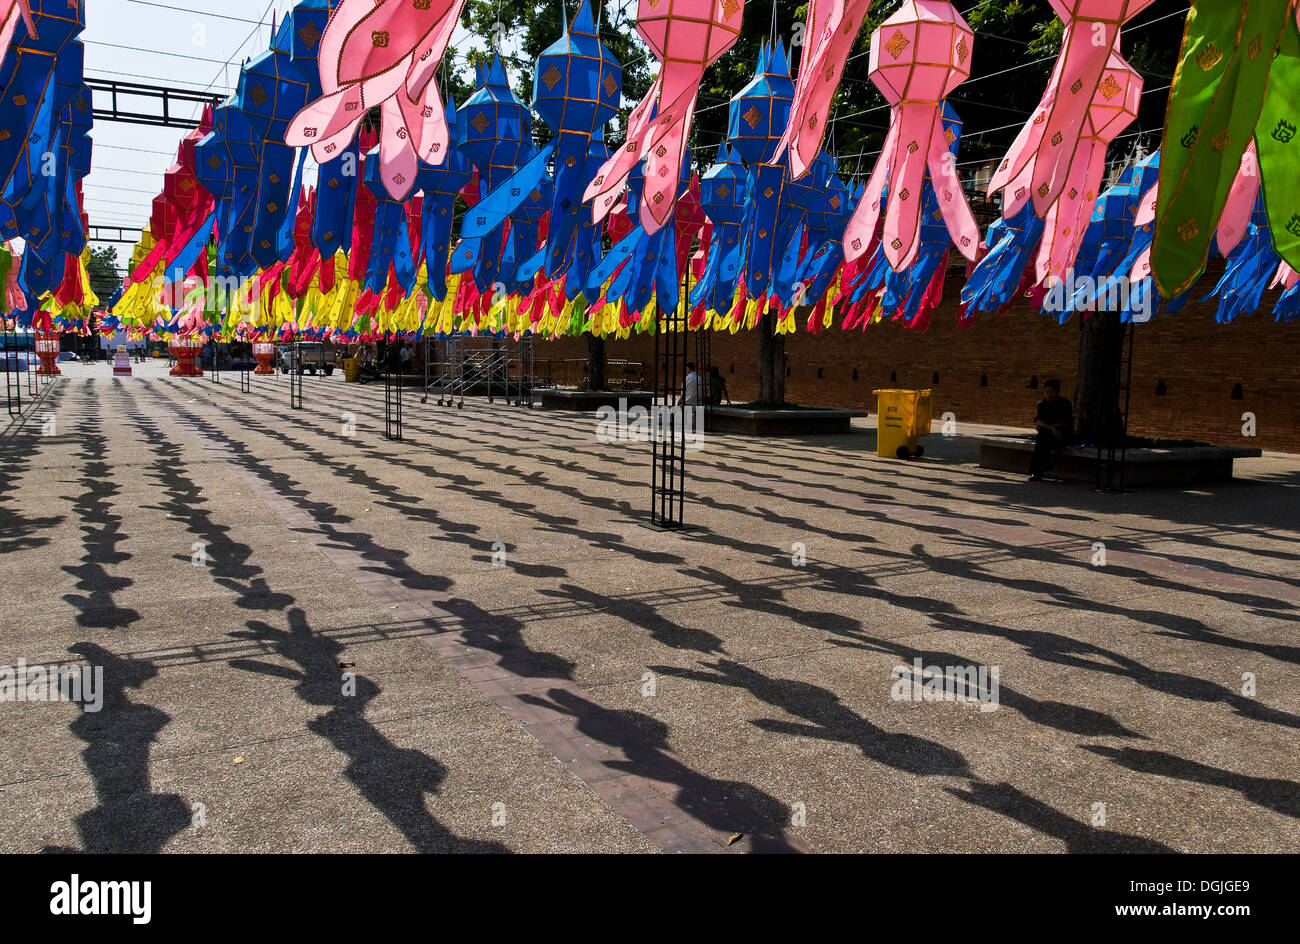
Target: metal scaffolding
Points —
{"points": [[462, 366]]}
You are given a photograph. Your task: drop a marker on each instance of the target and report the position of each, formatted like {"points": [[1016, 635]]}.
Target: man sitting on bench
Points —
{"points": [[1055, 424]]}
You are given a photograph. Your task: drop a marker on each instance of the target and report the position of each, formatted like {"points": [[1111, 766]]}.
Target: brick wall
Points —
{"points": [[983, 372]]}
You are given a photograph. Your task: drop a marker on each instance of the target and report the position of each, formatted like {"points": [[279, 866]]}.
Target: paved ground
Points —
{"points": [[351, 670]]}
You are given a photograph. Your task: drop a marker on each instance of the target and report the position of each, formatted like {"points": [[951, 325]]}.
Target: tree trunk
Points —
{"points": [[597, 363], [771, 361], [1101, 356]]}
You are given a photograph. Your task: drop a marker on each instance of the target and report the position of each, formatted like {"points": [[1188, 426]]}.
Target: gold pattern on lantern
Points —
{"points": [[753, 116], [897, 43], [1188, 230], [480, 122], [1109, 88], [309, 35], [552, 76]]}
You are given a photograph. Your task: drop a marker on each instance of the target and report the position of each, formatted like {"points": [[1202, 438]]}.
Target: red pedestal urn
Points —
{"points": [[47, 349], [186, 352], [264, 352]]}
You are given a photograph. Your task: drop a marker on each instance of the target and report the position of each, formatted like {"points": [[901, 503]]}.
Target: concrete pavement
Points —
{"points": [[314, 639]]}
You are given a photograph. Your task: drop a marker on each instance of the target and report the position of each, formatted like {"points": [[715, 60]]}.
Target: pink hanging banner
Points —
{"points": [[687, 36]]}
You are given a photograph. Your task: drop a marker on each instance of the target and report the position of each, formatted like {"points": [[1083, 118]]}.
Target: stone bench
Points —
{"points": [[812, 422], [591, 400], [1173, 465]]}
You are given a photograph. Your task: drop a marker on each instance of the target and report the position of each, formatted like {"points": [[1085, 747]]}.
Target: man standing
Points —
{"points": [[1055, 424], [692, 390], [717, 387]]}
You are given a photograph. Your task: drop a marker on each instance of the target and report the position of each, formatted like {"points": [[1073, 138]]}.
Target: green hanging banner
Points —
{"points": [[1216, 99], [1279, 148]]}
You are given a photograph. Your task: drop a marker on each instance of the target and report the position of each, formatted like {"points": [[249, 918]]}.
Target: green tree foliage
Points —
{"points": [[1016, 43], [525, 30], [102, 269]]}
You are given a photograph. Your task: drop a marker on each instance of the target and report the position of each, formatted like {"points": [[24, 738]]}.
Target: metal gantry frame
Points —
{"points": [[183, 99], [245, 376], [98, 234], [1112, 457]]}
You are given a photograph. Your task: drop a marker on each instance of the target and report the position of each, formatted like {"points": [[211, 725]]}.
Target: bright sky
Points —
{"points": [[174, 43]]}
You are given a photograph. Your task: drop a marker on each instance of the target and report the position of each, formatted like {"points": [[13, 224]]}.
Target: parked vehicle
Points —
{"points": [[241, 360], [312, 358], [17, 360]]}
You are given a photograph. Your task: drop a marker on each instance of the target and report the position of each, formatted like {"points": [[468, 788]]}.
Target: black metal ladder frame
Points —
{"points": [[295, 376], [668, 436], [245, 378], [13, 384], [392, 395]]}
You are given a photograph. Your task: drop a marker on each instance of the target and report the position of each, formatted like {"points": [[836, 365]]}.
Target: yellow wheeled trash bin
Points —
{"points": [[902, 417]]}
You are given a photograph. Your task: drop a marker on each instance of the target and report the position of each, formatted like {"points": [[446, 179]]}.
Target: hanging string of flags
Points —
{"points": [[429, 217]]}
